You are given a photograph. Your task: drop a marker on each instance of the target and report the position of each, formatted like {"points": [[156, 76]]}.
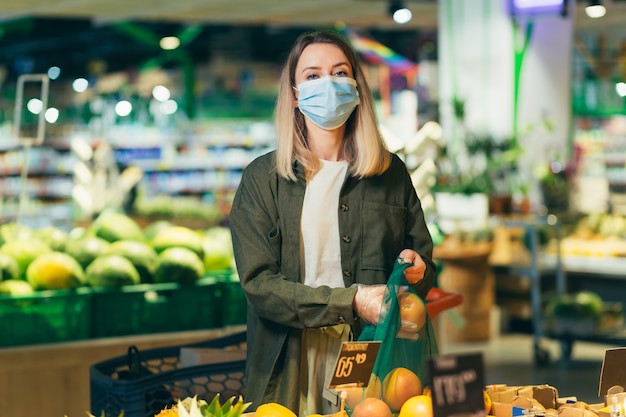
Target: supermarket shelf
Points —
{"points": [[609, 266]]}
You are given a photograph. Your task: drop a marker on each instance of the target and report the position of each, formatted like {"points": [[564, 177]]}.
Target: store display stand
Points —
{"points": [[534, 273], [539, 267]]}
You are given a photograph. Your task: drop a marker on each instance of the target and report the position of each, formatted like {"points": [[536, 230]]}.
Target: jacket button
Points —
{"points": [[342, 320], [344, 207], [347, 272], [346, 239]]}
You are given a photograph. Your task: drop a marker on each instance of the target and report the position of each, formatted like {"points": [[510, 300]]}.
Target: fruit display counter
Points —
{"points": [[114, 278]]}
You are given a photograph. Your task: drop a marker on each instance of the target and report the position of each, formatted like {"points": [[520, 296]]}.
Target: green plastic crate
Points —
{"points": [[155, 308], [233, 304], [45, 317]]}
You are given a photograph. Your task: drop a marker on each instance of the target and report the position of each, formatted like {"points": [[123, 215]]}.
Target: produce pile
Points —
{"points": [[599, 234], [113, 251]]}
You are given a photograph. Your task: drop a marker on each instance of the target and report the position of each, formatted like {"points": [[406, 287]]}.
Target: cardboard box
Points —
{"points": [[506, 410], [613, 373]]}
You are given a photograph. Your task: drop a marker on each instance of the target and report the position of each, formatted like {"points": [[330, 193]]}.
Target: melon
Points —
{"points": [[87, 248], [178, 264], [179, 236], [55, 271], [114, 226], [111, 271], [24, 252], [9, 268], [16, 288], [143, 257]]}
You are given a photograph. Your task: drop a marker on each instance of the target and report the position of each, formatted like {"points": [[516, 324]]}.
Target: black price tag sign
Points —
{"points": [[355, 363], [457, 384]]}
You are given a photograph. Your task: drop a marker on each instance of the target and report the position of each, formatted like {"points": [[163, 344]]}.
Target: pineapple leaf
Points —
{"points": [[239, 408], [227, 405], [214, 406]]}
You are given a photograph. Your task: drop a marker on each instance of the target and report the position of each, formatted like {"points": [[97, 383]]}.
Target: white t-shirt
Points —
{"points": [[321, 254]]}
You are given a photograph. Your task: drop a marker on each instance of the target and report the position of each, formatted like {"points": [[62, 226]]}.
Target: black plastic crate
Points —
{"points": [[154, 379]]}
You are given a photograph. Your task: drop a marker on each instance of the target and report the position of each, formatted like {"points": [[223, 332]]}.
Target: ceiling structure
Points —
{"points": [[76, 32], [357, 13]]}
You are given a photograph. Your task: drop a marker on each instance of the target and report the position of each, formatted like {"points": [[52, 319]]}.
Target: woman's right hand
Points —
{"points": [[368, 302]]}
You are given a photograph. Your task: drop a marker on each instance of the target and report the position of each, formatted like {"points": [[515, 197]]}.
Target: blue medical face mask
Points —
{"points": [[328, 101]]}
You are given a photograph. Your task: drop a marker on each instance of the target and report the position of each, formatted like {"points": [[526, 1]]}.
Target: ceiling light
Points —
{"points": [[169, 42], [400, 14], [595, 9]]}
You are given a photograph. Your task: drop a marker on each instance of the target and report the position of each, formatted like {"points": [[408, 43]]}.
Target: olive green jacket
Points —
{"points": [[378, 217]]}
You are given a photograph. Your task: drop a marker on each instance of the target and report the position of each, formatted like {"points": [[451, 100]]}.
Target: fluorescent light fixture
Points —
{"points": [[532, 4], [538, 7], [595, 9]]}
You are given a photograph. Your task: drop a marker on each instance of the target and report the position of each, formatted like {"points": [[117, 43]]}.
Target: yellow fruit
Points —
{"points": [[315, 415], [488, 402], [399, 385], [355, 395], [412, 309], [418, 406], [371, 407], [273, 410]]}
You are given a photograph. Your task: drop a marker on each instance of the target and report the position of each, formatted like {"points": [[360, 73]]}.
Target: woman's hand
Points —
{"points": [[415, 272], [368, 302]]}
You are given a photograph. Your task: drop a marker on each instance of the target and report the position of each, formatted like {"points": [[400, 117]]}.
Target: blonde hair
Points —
{"points": [[364, 147]]}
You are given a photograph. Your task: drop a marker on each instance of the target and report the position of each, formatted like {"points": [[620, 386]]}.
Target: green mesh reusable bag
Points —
{"points": [[397, 349]]}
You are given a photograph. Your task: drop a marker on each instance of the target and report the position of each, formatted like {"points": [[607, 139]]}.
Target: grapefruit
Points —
{"points": [[417, 406], [355, 395], [412, 309], [399, 385], [273, 410], [370, 407]]}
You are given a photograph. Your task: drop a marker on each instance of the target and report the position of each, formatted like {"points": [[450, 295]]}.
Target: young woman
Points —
{"points": [[317, 225]]}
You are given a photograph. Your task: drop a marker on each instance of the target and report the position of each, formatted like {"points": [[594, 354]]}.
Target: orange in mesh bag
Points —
{"points": [[407, 342]]}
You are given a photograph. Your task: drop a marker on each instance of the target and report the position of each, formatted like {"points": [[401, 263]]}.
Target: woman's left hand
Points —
{"points": [[415, 272]]}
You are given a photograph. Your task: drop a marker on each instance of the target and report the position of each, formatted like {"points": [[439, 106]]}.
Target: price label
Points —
{"points": [[457, 383], [355, 363]]}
